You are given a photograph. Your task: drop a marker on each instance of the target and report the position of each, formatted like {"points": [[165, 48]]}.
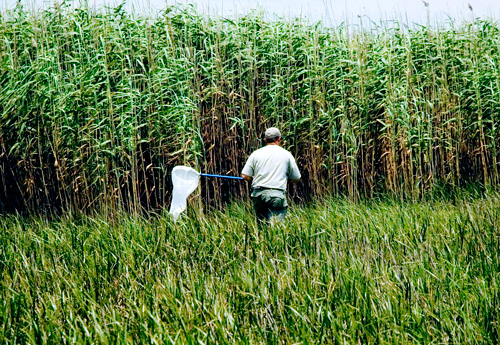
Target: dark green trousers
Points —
{"points": [[269, 203]]}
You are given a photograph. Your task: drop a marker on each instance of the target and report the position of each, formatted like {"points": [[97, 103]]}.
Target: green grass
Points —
{"points": [[336, 272]]}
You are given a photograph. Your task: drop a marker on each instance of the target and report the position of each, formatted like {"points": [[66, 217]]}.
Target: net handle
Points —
{"points": [[223, 176]]}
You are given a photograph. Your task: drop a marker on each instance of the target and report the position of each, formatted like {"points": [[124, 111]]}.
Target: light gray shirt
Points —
{"points": [[271, 167]]}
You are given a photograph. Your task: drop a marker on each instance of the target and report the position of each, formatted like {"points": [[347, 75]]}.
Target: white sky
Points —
{"points": [[331, 12], [336, 11]]}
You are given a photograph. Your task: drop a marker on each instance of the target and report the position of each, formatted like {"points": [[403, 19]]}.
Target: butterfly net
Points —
{"points": [[185, 181]]}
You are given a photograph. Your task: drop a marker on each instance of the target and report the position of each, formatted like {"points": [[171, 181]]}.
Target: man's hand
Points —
{"points": [[247, 178]]}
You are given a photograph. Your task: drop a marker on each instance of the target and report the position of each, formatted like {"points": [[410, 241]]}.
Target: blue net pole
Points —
{"points": [[223, 176]]}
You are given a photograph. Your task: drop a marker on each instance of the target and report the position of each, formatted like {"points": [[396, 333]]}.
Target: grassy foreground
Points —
{"points": [[377, 272]]}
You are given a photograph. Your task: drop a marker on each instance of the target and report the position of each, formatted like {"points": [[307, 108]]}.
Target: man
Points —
{"points": [[269, 169]]}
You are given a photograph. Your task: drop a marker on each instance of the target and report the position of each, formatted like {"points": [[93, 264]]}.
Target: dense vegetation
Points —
{"points": [[97, 107], [337, 272]]}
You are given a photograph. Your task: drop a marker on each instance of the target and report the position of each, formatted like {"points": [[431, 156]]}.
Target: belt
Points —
{"points": [[258, 189]]}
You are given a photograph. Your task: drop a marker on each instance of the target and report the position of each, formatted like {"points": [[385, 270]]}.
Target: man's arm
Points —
{"points": [[247, 171], [293, 171], [247, 178]]}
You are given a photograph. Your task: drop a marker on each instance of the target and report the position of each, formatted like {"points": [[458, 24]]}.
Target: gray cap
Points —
{"points": [[272, 133]]}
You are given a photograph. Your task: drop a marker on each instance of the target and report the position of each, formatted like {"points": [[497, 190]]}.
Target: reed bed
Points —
{"points": [[96, 107], [338, 272]]}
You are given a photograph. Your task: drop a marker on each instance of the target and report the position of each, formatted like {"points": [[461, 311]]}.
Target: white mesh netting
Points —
{"points": [[185, 181]]}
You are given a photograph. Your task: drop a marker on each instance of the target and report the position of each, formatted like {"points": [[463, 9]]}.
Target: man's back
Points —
{"points": [[271, 166]]}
